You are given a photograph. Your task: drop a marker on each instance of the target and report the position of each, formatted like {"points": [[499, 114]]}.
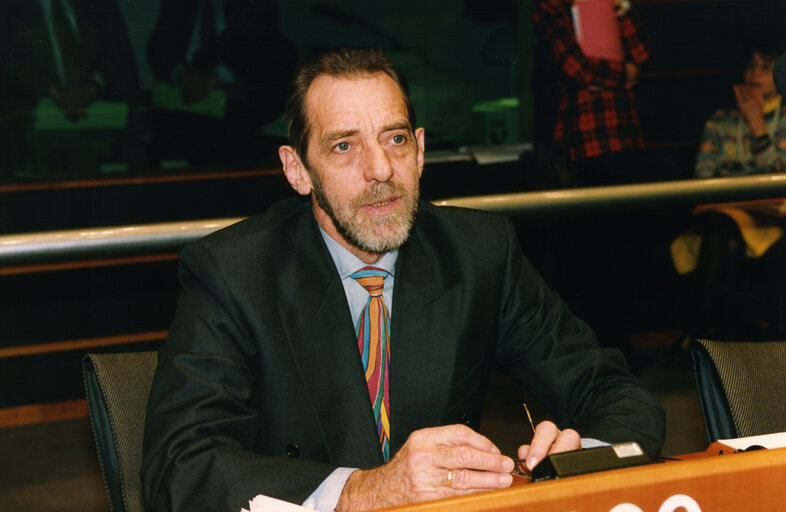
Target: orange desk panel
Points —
{"points": [[700, 482]]}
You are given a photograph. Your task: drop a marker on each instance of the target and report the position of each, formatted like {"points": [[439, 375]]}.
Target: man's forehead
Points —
{"points": [[329, 97]]}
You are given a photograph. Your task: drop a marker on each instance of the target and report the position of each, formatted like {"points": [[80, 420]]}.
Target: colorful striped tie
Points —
{"points": [[373, 332]]}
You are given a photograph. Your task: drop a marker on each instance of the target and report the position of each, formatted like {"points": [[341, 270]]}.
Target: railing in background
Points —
{"points": [[32, 252]]}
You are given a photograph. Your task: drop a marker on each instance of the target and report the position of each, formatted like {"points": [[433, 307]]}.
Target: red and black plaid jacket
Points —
{"points": [[596, 113]]}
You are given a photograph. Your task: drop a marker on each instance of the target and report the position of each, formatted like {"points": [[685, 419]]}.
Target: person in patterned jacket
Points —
{"points": [[597, 121], [751, 138]]}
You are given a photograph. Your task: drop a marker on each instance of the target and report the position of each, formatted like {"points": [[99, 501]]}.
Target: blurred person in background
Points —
{"points": [[597, 126], [231, 46], [73, 52], [750, 138]]}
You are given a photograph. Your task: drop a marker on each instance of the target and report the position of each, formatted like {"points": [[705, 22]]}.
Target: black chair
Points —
{"points": [[117, 388], [741, 386]]}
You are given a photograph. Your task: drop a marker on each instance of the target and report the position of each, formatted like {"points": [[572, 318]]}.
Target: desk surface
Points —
{"points": [[709, 481]]}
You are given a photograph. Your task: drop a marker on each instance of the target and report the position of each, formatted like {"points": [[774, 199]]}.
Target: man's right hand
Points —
{"points": [[433, 463], [196, 84]]}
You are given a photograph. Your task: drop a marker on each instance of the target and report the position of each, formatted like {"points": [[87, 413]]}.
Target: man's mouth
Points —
{"points": [[383, 202]]}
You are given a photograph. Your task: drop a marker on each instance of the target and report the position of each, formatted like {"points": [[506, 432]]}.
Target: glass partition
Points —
{"points": [[107, 88], [110, 88]]}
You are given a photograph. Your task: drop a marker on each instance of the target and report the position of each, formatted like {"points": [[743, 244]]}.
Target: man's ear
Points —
{"points": [[296, 173], [420, 136]]}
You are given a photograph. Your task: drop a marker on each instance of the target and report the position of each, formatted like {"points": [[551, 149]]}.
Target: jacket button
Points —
{"points": [[293, 450], [465, 419]]}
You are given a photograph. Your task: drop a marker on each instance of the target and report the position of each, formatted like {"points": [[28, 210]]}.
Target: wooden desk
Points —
{"points": [[697, 482]]}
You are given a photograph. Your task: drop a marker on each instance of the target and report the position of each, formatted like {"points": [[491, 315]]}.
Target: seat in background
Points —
{"points": [[741, 387], [117, 387]]}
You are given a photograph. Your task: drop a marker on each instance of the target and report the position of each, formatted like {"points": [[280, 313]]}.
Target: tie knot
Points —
{"points": [[372, 279]]}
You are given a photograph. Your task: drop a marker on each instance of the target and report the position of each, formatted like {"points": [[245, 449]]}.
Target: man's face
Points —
{"points": [[365, 161]]}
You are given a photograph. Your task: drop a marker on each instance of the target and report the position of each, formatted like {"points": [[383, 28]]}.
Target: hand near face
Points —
{"points": [[751, 103], [419, 471], [548, 439]]}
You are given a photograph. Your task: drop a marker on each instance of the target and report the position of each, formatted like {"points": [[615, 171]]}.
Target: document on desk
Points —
{"points": [[769, 441], [264, 503]]}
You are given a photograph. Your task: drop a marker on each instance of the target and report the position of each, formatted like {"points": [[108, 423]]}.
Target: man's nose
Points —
{"points": [[377, 165]]}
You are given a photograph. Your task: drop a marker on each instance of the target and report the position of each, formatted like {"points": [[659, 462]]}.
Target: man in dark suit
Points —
{"points": [[260, 387]]}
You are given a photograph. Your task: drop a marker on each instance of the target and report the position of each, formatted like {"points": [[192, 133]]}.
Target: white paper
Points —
{"points": [[769, 441], [499, 153], [264, 503]]}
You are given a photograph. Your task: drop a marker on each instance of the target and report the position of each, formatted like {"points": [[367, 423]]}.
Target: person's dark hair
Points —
{"points": [[768, 47], [339, 63]]}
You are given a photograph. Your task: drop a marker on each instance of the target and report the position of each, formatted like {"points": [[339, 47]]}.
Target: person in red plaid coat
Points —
{"points": [[597, 123]]}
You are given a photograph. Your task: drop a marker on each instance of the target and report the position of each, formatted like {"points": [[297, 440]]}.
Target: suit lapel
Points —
{"points": [[322, 340], [424, 324]]}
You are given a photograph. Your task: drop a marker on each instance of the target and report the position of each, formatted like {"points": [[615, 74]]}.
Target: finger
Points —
{"points": [[523, 451], [466, 479], [468, 457], [566, 441], [545, 434], [461, 435]]}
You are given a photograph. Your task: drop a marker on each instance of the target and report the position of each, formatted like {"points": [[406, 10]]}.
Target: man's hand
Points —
{"points": [[196, 84], [751, 104], [631, 75], [548, 439], [74, 98], [433, 463]]}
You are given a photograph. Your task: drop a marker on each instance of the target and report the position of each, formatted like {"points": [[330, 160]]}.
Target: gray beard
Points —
{"points": [[363, 235]]}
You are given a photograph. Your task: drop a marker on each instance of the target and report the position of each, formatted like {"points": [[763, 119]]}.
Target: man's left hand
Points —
{"points": [[434, 463], [548, 439], [75, 98]]}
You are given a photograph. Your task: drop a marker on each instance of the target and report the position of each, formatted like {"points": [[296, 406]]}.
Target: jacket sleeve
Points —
{"points": [[556, 356], [200, 429]]}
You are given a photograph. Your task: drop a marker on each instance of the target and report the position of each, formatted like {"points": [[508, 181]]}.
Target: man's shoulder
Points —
{"points": [[276, 222], [458, 217], [461, 227]]}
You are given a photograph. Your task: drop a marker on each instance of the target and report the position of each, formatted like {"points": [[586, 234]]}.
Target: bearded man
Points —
{"points": [[336, 353]]}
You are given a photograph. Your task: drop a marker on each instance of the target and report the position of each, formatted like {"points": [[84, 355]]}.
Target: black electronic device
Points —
{"points": [[579, 462]]}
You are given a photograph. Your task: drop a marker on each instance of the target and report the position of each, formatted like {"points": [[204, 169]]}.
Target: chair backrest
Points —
{"points": [[741, 386], [117, 387]]}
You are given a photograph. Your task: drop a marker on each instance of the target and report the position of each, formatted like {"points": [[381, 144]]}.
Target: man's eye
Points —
{"points": [[342, 146], [399, 139]]}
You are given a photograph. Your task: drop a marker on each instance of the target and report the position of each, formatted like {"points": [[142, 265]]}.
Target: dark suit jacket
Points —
{"points": [[260, 388]]}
